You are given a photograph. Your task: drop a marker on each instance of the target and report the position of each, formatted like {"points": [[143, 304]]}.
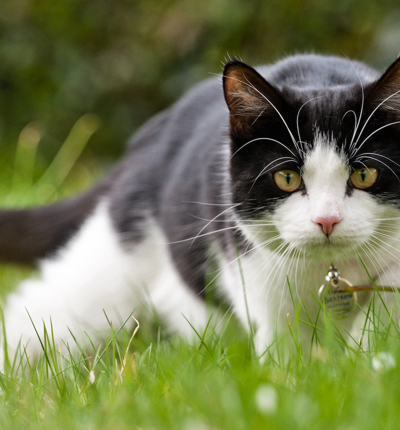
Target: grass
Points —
{"points": [[150, 381]]}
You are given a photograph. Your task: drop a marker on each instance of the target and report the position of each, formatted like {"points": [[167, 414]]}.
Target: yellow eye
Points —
{"points": [[287, 180], [364, 178]]}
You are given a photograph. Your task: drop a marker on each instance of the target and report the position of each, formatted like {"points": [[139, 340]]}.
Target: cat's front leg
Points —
{"points": [[256, 286], [96, 280]]}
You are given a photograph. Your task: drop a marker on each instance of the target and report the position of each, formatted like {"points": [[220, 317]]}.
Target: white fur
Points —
{"points": [[303, 254], [325, 176], [94, 274]]}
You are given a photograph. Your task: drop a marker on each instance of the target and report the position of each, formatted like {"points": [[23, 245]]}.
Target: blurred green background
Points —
{"points": [[125, 60]]}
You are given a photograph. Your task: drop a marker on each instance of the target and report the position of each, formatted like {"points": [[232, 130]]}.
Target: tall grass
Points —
{"points": [[146, 380]]}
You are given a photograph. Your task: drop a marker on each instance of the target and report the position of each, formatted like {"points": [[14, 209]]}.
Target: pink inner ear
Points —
{"points": [[327, 223]]}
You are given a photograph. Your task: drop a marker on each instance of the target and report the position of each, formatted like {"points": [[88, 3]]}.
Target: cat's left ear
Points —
{"points": [[248, 96], [386, 90]]}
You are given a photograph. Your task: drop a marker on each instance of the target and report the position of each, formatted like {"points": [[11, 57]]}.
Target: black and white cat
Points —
{"points": [[297, 168]]}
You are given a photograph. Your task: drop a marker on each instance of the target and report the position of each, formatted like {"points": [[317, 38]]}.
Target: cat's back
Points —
{"points": [[199, 104], [179, 147], [203, 106], [308, 71]]}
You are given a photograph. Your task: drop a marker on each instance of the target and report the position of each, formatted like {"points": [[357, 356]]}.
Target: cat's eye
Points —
{"points": [[364, 178], [287, 180]]}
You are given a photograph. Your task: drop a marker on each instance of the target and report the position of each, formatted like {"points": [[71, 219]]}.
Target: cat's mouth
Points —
{"points": [[332, 248], [345, 241], [335, 247]]}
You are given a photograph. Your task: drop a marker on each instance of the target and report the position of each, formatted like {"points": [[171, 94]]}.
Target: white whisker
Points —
{"points": [[370, 116], [355, 150], [355, 125], [207, 204], [362, 104], [202, 235], [275, 108], [298, 115], [379, 155], [379, 161], [217, 216], [265, 170], [250, 85], [384, 249], [264, 138]]}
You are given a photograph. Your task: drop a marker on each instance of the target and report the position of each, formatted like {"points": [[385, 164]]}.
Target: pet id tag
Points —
{"points": [[338, 304]]}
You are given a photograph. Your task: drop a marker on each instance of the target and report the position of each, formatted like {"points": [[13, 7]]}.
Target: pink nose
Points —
{"points": [[327, 223]]}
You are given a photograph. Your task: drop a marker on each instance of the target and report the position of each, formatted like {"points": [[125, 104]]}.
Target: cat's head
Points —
{"points": [[315, 156]]}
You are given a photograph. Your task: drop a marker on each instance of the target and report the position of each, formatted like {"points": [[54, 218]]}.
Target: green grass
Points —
{"points": [[151, 381]]}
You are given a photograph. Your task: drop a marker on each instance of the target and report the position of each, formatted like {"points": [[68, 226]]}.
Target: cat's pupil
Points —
{"points": [[363, 174], [288, 178]]}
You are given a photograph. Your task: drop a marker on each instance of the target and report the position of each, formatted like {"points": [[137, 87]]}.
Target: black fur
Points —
{"points": [[27, 235], [180, 171]]}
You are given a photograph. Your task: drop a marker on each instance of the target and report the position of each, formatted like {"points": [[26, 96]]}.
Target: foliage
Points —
{"points": [[145, 380], [121, 61], [215, 383], [124, 60]]}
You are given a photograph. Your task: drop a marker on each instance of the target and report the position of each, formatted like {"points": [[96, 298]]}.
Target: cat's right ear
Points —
{"points": [[248, 96], [385, 93]]}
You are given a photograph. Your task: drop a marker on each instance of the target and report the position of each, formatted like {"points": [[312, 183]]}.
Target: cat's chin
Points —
{"points": [[329, 252], [321, 251]]}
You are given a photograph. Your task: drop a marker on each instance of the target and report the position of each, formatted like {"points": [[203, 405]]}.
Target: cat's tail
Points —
{"points": [[28, 235]]}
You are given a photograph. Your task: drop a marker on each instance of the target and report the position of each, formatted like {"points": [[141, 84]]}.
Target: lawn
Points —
{"points": [[148, 380]]}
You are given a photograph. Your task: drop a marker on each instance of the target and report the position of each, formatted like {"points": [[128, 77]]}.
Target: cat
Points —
{"points": [[265, 178]]}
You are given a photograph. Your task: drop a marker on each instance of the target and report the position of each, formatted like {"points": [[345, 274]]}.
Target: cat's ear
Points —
{"points": [[248, 96], [386, 90]]}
